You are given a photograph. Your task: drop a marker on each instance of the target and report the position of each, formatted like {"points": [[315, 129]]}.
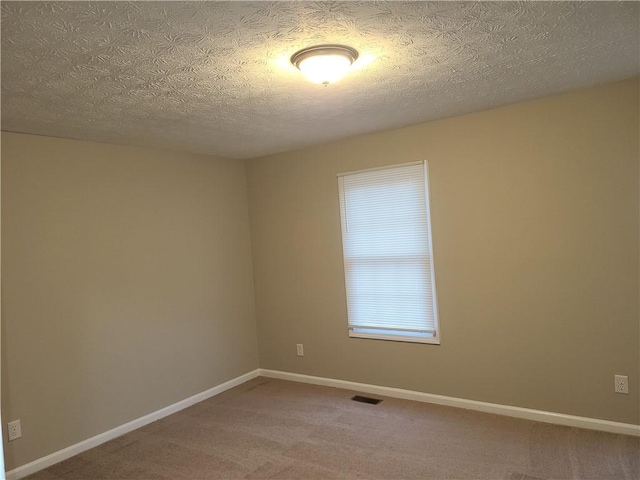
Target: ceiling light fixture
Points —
{"points": [[325, 63]]}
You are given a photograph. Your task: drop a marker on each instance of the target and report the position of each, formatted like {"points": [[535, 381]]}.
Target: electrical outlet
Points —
{"points": [[14, 430], [300, 349], [621, 384]]}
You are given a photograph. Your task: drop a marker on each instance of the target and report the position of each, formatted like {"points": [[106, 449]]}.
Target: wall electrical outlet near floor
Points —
{"points": [[621, 384], [300, 350], [14, 430]]}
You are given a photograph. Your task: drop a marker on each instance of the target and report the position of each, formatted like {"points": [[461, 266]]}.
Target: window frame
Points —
{"points": [[393, 335]]}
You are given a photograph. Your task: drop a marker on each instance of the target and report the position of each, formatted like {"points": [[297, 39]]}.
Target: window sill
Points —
{"points": [[395, 338]]}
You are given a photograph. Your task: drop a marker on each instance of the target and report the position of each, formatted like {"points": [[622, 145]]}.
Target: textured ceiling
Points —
{"points": [[214, 77]]}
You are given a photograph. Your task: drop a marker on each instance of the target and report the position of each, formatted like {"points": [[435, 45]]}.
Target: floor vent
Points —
{"points": [[373, 401]]}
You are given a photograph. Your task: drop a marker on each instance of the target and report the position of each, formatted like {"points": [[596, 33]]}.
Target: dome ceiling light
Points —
{"points": [[324, 63]]}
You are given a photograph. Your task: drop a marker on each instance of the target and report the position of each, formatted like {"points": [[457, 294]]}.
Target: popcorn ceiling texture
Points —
{"points": [[214, 77]]}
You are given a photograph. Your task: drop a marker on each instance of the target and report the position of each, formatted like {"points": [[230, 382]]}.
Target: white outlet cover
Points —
{"points": [[621, 384], [14, 430]]}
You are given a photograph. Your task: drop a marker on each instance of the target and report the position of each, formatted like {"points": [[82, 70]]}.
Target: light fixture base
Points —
{"points": [[330, 49]]}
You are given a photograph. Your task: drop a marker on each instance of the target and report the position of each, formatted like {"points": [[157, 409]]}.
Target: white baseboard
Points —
{"points": [[101, 438], [518, 412]]}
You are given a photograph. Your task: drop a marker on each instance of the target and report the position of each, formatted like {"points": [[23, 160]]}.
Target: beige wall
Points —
{"points": [[127, 272], [127, 285], [535, 231]]}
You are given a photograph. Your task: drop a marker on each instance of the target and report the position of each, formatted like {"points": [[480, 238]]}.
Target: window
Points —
{"points": [[388, 260]]}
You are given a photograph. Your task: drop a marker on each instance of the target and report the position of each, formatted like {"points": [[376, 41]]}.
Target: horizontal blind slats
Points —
{"points": [[386, 250]]}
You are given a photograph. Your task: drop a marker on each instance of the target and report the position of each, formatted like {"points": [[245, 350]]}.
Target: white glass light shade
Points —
{"points": [[325, 68], [324, 63]]}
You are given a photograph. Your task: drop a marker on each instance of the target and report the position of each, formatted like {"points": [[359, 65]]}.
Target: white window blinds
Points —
{"points": [[388, 262]]}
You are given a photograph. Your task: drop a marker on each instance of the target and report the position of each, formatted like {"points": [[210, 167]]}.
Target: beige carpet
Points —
{"points": [[275, 429]]}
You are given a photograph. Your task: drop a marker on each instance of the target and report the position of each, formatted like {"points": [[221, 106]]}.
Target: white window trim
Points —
{"points": [[427, 199], [413, 338]]}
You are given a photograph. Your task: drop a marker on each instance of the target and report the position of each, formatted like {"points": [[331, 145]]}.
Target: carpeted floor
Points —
{"points": [[272, 429]]}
